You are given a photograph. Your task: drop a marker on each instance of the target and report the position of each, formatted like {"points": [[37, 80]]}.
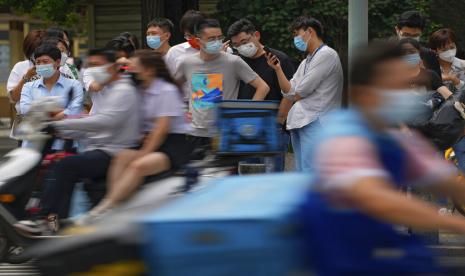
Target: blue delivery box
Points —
{"points": [[246, 127], [234, 226]]}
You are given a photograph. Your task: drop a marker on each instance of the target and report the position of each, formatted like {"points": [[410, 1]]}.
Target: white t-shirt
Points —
{"points": [[173, 58], [16, 74]]}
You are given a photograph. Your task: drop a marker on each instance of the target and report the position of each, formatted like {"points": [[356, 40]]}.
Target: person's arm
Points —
{"points": [[118, 104], [283, 81], [444, 91], [376, 197], [26, 99], [284, 106], [157, 136], [15, 93], [248, 75], [319, 69], [454, 79], [75, 106], [261, 89], [289, 69]]}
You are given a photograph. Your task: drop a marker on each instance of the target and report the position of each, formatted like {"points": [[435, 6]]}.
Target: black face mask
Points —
{"points": [[135, 80]]}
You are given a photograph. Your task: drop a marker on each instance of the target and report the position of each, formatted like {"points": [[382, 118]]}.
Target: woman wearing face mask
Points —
{"points": [[453, 74], [422, 79], [164, 147], [452, 68]]}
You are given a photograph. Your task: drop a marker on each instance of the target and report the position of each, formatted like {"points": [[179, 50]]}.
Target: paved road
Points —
{"points": [[450, 246], [27, 269], [6, 144]]}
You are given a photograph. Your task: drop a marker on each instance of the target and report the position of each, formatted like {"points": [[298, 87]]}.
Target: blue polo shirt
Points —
{"points": [[35, 90]]}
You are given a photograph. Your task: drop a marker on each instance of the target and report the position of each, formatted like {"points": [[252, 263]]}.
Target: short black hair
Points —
{"points": [[57, 32], [411, 19], [109, 55], [163, 23], [55, 41], [364, 67], [206, 23], [409, 40], [304, 22], [47, 49], [241, 25], [125, 42], [189, 20]]}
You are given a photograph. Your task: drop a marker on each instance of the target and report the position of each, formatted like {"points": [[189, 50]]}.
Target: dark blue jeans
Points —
{"points": [[58, 188]]}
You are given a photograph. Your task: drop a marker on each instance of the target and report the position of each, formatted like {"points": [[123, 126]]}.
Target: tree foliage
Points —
{"points": [[70, 14], [272, 18]]}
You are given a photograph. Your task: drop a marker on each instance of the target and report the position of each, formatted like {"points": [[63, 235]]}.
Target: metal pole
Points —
{"points": [[358, 28]]}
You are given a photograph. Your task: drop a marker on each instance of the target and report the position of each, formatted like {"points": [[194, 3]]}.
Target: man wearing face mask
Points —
{"points": [[246, 40], [51, 83], [159, 32], [316, 87], [106, 131], [214, 76], [178, 52], [411, 25], [361, 163]]}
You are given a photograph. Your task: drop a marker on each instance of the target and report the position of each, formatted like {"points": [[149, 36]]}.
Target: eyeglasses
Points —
{"points": [[213, 38]]}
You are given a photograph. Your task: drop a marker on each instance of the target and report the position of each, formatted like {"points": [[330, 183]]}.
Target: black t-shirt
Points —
{"points": [[429, 79], [261, 67]]}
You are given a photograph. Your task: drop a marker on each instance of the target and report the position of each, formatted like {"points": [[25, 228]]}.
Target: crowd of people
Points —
{"points": [[138, 112]]}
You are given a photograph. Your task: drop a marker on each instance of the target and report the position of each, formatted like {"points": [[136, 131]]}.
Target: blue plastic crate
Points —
{"points": [[234, 226], [248, 127]]}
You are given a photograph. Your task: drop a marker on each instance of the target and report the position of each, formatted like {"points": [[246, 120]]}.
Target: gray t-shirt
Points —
{"points": [[212, 81], [163, 99]]}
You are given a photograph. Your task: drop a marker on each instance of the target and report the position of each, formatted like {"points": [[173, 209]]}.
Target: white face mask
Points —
{"points": [[64, 57], [247, 50], [100, 74], [448, 55]]}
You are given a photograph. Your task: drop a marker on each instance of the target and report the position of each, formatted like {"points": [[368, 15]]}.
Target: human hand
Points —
{"points": [[30, 73], [273, 61], [188, 117], [94, 87], [225, 46], [57, 116], [450, 77]]}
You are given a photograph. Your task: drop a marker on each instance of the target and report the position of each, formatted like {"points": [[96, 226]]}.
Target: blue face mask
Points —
{"points": [[402, 106], [300, 44], [45, 70], [154, 41], [412, 59], [213, 47]]}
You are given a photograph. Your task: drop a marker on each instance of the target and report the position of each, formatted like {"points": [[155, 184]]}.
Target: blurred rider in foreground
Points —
{"points": [[361, 161]]}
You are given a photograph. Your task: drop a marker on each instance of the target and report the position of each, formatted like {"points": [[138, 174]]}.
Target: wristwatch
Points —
{"points": [[25, 79]]}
